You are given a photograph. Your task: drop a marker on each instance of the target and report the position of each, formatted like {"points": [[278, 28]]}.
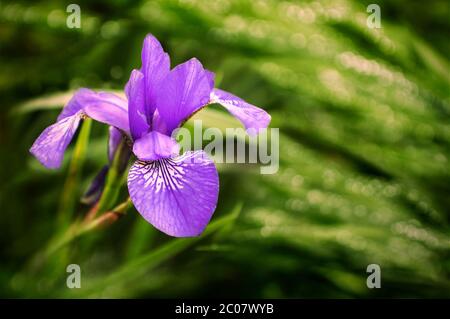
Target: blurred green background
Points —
{"points": [[364, 149]]}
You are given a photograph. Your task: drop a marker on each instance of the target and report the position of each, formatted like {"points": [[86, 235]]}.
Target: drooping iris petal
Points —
{"points": [[251, 116], [154, 146], [178, 196], [49, 147], [182, 92], [135, 91], [96, 103], [109, 109], [155, 67], [115, 137], [76, 103]]}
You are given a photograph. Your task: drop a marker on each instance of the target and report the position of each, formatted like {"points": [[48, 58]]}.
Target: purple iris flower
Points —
{"points": [[175, 193]]}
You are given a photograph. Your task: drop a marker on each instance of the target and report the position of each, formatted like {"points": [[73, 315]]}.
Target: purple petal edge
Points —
{"points": [[252, 117], [49, 147]]}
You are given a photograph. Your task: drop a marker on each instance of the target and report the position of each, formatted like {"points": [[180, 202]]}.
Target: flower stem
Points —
{"points": [[81, 227], [113, 181], [69, 196]]}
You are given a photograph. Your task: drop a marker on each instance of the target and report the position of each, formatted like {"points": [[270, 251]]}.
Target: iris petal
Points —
{"points": [[178, 196], [76, 103], [211, 78], [101, 106], [135, 91], [155, 67], [49, 147], [251, 116], [154, 146], [115, 137], [109, 109], [182, 92]]}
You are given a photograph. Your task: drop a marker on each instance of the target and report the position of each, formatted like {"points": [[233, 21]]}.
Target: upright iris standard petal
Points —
{"points": [[155, 67], [49, 147], [178, 196], [251, 116], [182, 92], [135, 91], [154, 146]]}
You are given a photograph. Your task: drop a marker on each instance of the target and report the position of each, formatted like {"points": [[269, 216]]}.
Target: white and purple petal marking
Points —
{"points": [[49, 147], [176, 195]]}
